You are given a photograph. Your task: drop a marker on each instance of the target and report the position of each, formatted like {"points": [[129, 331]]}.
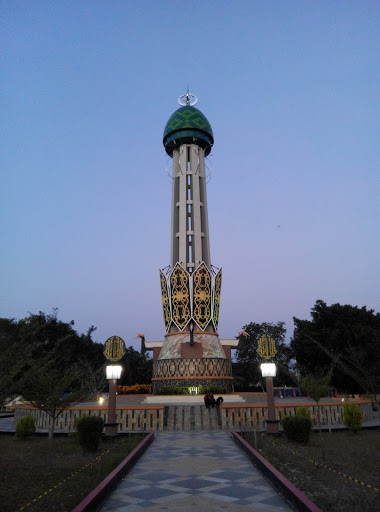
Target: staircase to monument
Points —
{"points": [[192, 417]]}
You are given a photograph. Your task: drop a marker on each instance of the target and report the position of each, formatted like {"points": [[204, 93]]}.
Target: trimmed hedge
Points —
{"points": [[352, 417], [25, 427], [90, 430], [303, 412], [216, 390], [297, 428], [137, 389], [174, 390]]}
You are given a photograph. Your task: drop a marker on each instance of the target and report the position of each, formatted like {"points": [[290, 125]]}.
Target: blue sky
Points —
{"points": [[291, 90]]}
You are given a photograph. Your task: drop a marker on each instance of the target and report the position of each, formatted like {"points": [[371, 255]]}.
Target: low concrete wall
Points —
{"points": [[139, 418], [150, 418], [250, 416]]}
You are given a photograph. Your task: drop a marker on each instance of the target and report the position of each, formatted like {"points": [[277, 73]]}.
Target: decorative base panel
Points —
{"points": [[192, 372], [183, 368], [219, 384]]}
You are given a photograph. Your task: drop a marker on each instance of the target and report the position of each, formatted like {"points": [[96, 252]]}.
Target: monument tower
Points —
{"points": [[192, 353]]}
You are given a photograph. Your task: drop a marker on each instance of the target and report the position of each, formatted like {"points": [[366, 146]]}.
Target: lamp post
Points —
{"points": [[113, 372], [114, 349], [268, 370]]}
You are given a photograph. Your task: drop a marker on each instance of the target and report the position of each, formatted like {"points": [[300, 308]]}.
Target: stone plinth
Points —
{"points": [[185, 363]]}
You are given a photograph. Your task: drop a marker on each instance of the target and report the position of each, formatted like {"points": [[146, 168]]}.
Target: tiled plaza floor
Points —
{"points": [[197, 472]]}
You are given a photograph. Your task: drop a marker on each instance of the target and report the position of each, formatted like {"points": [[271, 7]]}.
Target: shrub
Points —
{"points": [[174, 390], [90, 429], [297, 428], [352, 417], [25, 427], [216, 390], [136, 389], [303, 412]]}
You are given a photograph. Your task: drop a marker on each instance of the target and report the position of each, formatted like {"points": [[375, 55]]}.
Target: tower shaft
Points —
{"points": [[191, 354], [190, 243]]}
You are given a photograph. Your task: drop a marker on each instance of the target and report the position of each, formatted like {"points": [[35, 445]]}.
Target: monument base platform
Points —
{"points": [[192, 373]]}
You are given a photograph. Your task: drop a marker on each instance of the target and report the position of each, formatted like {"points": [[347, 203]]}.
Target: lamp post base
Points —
{"points": [[273, 426], [111, 429]]}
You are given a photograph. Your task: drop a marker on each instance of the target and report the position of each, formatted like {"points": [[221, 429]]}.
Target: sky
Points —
{"points": [[291, 90]]}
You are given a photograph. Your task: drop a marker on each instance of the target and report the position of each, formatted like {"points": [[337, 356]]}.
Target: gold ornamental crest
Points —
{"points": [[266, 347], [114, 349]]}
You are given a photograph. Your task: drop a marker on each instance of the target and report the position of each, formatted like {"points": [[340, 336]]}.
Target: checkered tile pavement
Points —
{"points": [[197, 472]]}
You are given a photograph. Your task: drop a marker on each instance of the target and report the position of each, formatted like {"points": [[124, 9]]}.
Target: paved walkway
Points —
{"points": [[194, 472]]}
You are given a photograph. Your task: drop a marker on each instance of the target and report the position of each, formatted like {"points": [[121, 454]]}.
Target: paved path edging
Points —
{"points": [[296, 499], [103, 490]]}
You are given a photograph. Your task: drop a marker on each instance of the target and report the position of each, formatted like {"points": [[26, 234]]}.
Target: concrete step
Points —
{"points": [[233, 398], [192, 417]]}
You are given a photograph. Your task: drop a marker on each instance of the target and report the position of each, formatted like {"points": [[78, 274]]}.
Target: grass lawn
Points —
{"points": [[28, 480], [344, 480]]}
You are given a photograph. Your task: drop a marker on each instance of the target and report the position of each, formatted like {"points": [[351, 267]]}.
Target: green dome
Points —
{"points": [[188, 126]]}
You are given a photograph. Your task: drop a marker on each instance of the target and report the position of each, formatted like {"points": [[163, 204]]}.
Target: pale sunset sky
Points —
{"points": [[291, 90]]}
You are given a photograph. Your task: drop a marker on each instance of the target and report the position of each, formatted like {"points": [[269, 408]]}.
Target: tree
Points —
{"points": [[8, 328], [316, 385], [51, 388], [248, 359], [48, 361], [137, 368], [344, 337]]}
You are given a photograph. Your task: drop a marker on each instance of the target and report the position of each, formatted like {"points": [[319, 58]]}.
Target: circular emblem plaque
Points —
{"points": [[266, 347], [114, 348]]}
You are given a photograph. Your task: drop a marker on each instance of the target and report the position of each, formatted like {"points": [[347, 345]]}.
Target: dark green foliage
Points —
{"points": [[40, 340], [303, 412], [9, 366], [174, 390], [352, 417], [49, 363], [297, 428], [344, 337], [25, 427], [138, 368], [90, 430], [316, 385], [216, 390]]}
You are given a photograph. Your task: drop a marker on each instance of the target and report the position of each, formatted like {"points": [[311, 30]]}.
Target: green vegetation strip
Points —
{"points": [[351, 478], [88, 465], [321, 464]]}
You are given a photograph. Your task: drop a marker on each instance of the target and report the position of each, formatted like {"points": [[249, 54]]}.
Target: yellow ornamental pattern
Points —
{"points": [[114, 348], [266, 347], [202, 296], [218, 287], [165, 300], [180, 295]]}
